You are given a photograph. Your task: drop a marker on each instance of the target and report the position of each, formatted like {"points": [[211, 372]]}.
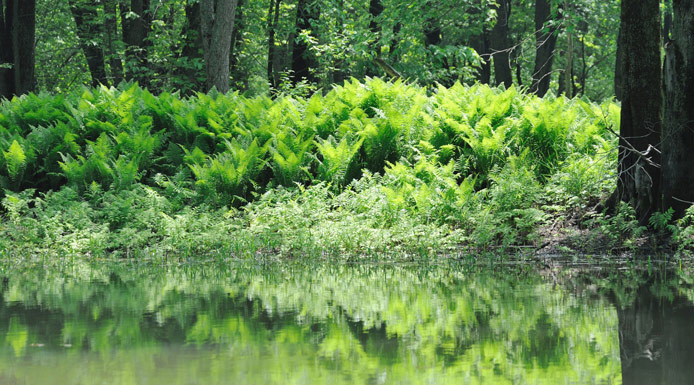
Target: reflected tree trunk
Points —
{"points": [[656, 340]]}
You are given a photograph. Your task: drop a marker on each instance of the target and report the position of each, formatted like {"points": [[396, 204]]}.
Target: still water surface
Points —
{"points": [[80, 324]]}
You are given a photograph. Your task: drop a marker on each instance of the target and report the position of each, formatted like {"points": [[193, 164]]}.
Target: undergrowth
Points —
{"points": [[372, 168]]}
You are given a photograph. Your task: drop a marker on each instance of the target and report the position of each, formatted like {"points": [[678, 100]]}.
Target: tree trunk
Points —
{"points": [[216, 26], [18, 38], [302, 59], [480, 43], [375, 10], [273, 20], [6, 50], [619, 65], [545, 43], [678, 124], [89, 33], [500, 45], [190, 75], [638, 171], [135, 33], [235, 47], [111, 29], [337, 72]]}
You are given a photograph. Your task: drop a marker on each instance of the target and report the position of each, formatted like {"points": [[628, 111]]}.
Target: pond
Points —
{"points": [[277, 323]]}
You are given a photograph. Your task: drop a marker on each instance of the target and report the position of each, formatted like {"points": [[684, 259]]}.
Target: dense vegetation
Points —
{"points": [[368, 168]]}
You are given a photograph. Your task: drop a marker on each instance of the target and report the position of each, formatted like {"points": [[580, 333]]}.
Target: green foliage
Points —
{"points": [[478, 164], [15, 161], [622, 229]]}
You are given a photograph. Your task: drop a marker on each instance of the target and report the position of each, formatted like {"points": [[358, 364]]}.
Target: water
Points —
{"points": [[80, 324]]}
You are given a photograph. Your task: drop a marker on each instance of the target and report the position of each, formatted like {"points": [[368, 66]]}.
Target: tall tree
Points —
{"points": [[17, 47], [546, 31], [304, 63], [136, 21], [480, 42], [188, 73], [678, 124], [500, 44], [90, 32], [111, 32], [217, 26], [638, 170]]}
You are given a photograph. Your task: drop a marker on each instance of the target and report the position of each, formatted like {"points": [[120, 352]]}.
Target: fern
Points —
{"points": [[15, 161], [338, 161]]}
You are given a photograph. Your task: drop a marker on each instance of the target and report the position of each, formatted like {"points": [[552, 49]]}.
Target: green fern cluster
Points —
{"points": [[229, 148]]}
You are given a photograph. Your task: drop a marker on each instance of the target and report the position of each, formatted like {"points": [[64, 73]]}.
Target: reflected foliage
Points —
{"points": [[277, 324]]}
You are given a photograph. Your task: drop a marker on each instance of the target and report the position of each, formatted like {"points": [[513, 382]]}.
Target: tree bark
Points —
{"points": [[545, 44], [111, 29], [638, 170], [678, 124], [135, 33], [302, 59], [17, 50], [89, 33], [216, 25], [6, 49], [480, 42], [619, 65], [190, 74], [500, 44]]}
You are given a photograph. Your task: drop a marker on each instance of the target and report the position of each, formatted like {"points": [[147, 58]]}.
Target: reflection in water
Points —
{"points": [[326, 324], [656, 338]]}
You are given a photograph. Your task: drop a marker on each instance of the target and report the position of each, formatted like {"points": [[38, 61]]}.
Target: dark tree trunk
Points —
{"points": [[375, 10], [273, 18], [111, 27], [545, 43], [639, 174], [6, 50], [337, 72], [135, 33], [191, 52], [500, 44], [217, 25], [302, 59], [432, 33], [678, 124], [619, 65], [481, 44], [89, 32], [18, 32]]}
